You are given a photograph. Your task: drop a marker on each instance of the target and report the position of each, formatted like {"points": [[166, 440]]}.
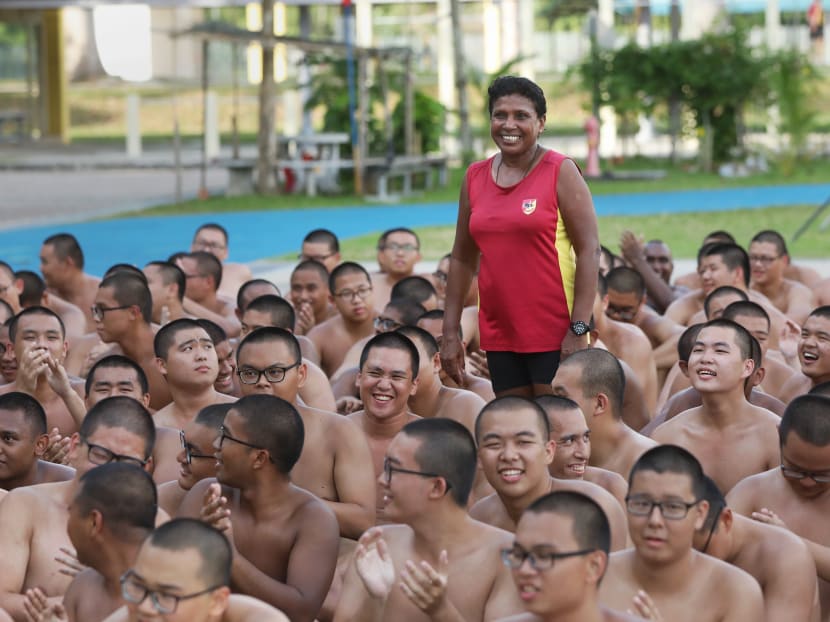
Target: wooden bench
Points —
{"points": [[315, 175], [12, 126], [380, 171]]}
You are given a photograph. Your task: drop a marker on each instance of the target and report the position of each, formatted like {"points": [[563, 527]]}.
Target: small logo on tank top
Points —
{"points": [[528, 206]]}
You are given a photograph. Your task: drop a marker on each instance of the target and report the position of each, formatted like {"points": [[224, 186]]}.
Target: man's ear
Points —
{"points": [[684, 367], [436, 362], [601, 404], [41, 444], [161, 365]]}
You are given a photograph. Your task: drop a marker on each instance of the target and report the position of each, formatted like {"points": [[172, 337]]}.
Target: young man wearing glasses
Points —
{"points": [[778, 559], [34, 518], [515, 452], [213, 238], [284, 539], [796, 493], [663, 571], [558, 559], [435, 560], [398, 252], [186, 357], [182, 574], [351, 293]]}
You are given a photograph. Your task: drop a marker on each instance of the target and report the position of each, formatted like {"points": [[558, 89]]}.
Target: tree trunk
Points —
{"points": [[461, 83], [267, 101]]}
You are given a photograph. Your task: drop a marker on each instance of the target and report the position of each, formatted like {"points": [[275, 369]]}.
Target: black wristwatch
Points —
{"points": [[579, 328]]}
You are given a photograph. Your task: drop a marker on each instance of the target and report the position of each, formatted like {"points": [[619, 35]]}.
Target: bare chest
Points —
{"points": [[47, 539], [267, 545], [314, 470]]}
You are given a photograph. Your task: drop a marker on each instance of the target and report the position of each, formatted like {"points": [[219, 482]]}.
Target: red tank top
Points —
{"points": [[527, 263]]}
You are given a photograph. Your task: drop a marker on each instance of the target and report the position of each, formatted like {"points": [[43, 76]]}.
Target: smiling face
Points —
{"points": [[766, 265], [114, 381], [514, 125], [715, 273], [814, 348], [513, 452], [19, 446], [39, 331], [573, 443], [658, 256], [199, 439], [385, 382], [716, 364]]}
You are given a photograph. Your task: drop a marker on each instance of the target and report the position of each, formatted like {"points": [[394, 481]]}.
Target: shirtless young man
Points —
{"points": [[594, 379], [721, 297], [196, 459], [730, 437], [113, 511], [573, 446], [251, 290], [628, 343], [8, 361], [182, 573], [335, 463], [778, 559], [796, 493], [284, 539], [436, 562], [310, 295], [813, 355], [653, 260], [226, 381], [768, 261], [515, 451], [558, 559], [40, 349], [167, 284], [417, 289], [62, 266], [34, 517], [399, 250], [203, 273], [665, 509], [23, 441], [116, 375], [321, 245], [213, 238], [187, 359], [387, 379], [351, 290]]}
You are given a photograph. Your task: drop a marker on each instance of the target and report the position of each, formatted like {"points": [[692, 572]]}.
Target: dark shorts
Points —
{"points": [[510, 370]]}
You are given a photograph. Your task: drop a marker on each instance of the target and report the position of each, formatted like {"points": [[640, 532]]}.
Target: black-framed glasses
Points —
{"points": [[764, 260], [386, 324], [671, 509], [317, 258], [389, 468], [188, 452], [348, 294], [135, 592], [101, 455], [396, 248], [514, 557], [98, 311], [224, 435], [213, 246], [792, 473], [273, 374]]}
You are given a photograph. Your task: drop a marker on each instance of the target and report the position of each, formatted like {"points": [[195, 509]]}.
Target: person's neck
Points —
{"points": [[361, 327], [192, 399], [736, 538], [425, 401], [175, 309], [443, 527], [116, 557], [588, 610], [515, 506], [137, 342], [521, 160], [723, 408], [665, 578], [74, 284], [264, 492], [770, 288], [386, 427], [605, 440]]}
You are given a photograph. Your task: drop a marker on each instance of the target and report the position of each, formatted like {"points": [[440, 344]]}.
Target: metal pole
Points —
{"points": [[348, 18], [203, 193]]}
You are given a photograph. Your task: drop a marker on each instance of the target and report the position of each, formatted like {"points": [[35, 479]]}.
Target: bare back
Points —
{"points": [[333, 338]]}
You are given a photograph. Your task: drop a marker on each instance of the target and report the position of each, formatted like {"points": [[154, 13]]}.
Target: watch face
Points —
{"points": [[579, 328]]}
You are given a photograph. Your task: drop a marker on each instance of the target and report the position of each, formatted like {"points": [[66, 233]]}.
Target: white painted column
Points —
{"points": [[133, 126], [212, 125], [772, 24], [527, 34], [446, 75], [491, 17]]}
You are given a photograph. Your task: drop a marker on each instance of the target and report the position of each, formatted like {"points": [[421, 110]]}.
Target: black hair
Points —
{"points": [[33, 288], [687, 342], [310, 265], [717, 503], [716, 293], [216, 333], [131, 290], [171, 273], [121, 412], [392, 341], [719, 235], [742, 337], [241, 304], [216, 227], [117, 361], [822, 312], [66, 245], [772, 237], [276, 425], [745, 308], [6, 309], [555, 404], [590, 526], [270, 334], [515, 85], [732, 255], [385, 235], [415, 288], [410, 310], [124, 494], [208, 265], [347, 267], [602, 285], [671, 459], [279, 310], [626, 281], [35, 310], [601, 373], [514, 403], [32, 411], [212, 416], [447, 449], [809, 417], [125, 268], [427, 341], [166, 335], [432, 314], [323, 236], [182, 534]]}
